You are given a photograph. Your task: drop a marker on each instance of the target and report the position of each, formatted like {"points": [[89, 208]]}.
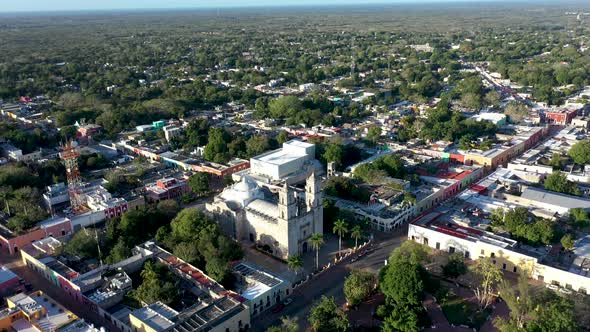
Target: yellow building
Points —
{"points": [[38, 312]]}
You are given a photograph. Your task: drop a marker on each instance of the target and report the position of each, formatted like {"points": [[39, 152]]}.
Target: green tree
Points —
{"points": [[317, 241], [6, 194], [402, 283], [287, 325], [295, 263], [489, 275], [119, 252], [168, 207], [558, 182], [412, 252], [455, 267], [326, 316], [544, 312], [373, 134], [257, 145], [471, 101], [157, 285], [356, 234], [334, 153], [284, 107], [567, 241], [402, 319], [492, 98], [340, 228], [516, 111], [358, 286], [216, 149], [579, 217], [187, 251], [580, 152], [556, 161], [199, 183], [520, 301], [554, 313], [282, 137], [83, 244]]}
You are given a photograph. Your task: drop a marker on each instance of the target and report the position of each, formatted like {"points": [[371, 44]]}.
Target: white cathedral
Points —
{"points": [[277, 203]]}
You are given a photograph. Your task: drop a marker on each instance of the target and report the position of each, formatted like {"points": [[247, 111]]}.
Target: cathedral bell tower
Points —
{"points": [[287, 203]]}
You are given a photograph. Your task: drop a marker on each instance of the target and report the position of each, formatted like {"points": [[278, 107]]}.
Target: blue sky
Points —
{"points": [[49, 5]]}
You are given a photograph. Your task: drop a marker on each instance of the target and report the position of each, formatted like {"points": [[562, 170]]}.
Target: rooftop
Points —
{"points": [[557, 199], [157, 315], [291, 150], [257, 281], [53, 315], [204, 319], [6, 275]]}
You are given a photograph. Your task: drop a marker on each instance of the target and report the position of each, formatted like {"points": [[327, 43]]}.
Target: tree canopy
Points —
{"points": [[326, 316]]}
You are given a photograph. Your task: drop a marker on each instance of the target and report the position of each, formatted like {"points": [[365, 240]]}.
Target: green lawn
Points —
{"points": [[461, 312]]}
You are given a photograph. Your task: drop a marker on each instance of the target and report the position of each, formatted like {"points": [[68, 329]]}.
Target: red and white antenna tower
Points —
{"points": [[70, 155]]}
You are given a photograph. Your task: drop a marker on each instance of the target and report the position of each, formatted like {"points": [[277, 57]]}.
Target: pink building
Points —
{"points": [[56, 227], [560, 117], [167, 188]]}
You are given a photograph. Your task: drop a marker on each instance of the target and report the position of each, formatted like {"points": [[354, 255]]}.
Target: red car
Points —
{"points": [[278, 308]]}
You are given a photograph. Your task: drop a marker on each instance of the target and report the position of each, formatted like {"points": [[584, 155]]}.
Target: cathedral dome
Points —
{"points": [[242, 192]]}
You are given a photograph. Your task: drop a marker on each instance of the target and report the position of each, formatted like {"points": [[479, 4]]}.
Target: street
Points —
{"points": [[330, 282]]}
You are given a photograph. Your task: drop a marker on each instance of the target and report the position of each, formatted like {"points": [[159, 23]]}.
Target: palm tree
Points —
{"points": [[356, 233], [316, 241], [340, 228], [295, 263], [6, 194]]}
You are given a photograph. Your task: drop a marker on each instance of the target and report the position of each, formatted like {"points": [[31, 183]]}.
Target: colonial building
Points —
{"points": [[277, 203]]}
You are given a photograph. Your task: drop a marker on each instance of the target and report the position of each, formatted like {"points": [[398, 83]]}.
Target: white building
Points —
{"points": [[445, 231], [171, 131], [261, 289], [16, 154], [56, 194], [277, 203]]}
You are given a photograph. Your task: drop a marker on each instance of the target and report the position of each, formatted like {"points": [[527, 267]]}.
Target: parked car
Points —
{"points": [[565, 291], [288, 301], [278, 308], [552, 287]]}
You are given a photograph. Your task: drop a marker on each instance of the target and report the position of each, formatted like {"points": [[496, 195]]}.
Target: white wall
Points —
{"points": [[507, 259]]}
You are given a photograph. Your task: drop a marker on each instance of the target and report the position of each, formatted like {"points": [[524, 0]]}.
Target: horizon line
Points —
{"points": [[294, 5]]}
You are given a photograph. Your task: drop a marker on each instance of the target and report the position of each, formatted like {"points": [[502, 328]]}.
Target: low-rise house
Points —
{"points": [[38, 312], [55, 226], [167, 188]]}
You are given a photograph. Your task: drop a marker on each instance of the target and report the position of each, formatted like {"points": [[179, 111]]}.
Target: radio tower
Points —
{"points": [[70, 157]]}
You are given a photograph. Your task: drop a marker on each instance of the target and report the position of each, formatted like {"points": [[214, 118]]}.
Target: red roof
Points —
{"points": [[446, 230], [479, 188], [462, 175]]}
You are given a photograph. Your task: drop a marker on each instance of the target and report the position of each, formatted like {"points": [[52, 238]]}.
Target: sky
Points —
{"points": [[60, 5]]}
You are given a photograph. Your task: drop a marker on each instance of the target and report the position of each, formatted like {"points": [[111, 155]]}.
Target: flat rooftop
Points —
{"points": [[558, 199], [6, 275], [258, 281], [208, 317], [278, 157], [157, 315], [291, 150], [55, 314]]}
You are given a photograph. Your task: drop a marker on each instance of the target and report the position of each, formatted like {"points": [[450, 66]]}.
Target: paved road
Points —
{"points": [[17, 266], [330, 282]]}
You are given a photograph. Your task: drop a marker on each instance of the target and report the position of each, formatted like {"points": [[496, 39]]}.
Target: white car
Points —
{"points": [[288, 301], [565, 291], [553, 287]]}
